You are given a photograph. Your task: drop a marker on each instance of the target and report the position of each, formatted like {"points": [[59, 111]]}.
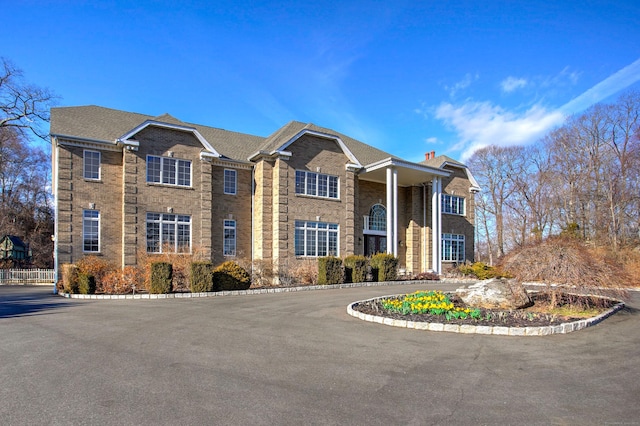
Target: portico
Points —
{"points": [[422, 233]]}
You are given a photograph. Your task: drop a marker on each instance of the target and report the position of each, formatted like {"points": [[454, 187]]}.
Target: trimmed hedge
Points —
{"points": [[230, 276], [330, 270], [355, 269], [384, 267], [70, 278], [201, 277], [482, 271], [86, 283], [161, 276]]}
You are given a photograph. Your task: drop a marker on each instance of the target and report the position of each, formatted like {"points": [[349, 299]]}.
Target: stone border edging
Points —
{"points": [[482, 329], [266, 290]]}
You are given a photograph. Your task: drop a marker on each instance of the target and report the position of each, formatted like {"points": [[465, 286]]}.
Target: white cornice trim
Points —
{"points": [[396, 162], [335, 138], [126, 138], [66, 140], [475, 187], [234, 164]]}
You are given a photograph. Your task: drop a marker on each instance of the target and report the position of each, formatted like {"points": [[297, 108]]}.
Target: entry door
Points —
{"points": [[375, 244]]}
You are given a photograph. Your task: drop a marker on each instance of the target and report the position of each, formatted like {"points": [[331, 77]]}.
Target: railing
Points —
{"points": [[27, 276]]}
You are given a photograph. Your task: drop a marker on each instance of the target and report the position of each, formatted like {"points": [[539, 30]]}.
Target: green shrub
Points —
{"points": [[384, 267], [230, 276], [161, 276], [482, 271], [201, 277], [329, 270], [355, 268], [69, 278], [86, 283]]}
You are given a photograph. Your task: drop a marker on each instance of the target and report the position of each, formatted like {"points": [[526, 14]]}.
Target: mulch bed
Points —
{"points": [[528, 317]]}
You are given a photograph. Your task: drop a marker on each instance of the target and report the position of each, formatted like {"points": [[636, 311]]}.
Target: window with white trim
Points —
{"points": [[91, 231], [452, 204], [168, 171], [316, 184], [453, 248], [229, 244], [378, 218], [316, 239], [168, 233], [91, 165], [230, 181]]}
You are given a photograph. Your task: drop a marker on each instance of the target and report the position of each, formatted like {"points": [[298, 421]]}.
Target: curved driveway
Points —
{"points": [[298, 358]]}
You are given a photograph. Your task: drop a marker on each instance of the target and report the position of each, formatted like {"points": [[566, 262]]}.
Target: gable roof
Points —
{"points": [[363, 153], [441, 161], [108, 126], [95, 123]]}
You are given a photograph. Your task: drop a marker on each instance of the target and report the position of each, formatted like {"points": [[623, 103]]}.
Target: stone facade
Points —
{"points": [[265, 205]]}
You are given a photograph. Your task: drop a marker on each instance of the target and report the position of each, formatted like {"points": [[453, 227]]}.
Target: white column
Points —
{"points": [[436, 223], [390, 235], [395, 212]]}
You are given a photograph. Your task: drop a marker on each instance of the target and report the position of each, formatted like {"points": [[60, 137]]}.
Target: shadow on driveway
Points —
{"points": [[18, 301]]}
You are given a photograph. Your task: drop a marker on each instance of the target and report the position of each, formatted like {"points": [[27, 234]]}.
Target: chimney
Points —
{"points": [[427, 155], [430, 155], [433, 155]]}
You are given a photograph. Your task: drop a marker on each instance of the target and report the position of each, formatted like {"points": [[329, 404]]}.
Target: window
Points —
{"points": [[91, 231], [452, 204], [316, 239], [316, 184], [230, 181], [229, 244], [91, 165], [378, 218], [168, 171], [453, 248], [168, 233]]}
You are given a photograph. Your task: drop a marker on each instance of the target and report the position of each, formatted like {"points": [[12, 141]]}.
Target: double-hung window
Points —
{"points": [[453, 248], [168, 233], [168, 171], [452, 204], [91, 166], [316, 239], [316, 184], [230, 181], [91, 231], [229, 243]]}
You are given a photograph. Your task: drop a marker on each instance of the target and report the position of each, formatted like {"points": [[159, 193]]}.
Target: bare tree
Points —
{"points": [[23, 106], [25, 208], [583, 176], [492, 166]]}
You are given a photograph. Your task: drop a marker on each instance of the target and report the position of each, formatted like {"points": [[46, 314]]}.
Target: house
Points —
{"points": [[13, 252], [125, 182]]}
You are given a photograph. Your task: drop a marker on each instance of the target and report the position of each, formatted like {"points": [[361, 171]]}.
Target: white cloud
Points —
{"points": [[607, 87], [462, 84], [512, 83], [479, 124], [432, 140]]}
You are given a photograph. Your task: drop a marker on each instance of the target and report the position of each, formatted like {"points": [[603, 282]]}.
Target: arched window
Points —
{"points": [[378, 218]]}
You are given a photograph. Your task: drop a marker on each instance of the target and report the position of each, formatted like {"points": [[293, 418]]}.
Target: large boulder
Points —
{"points": [[496, 293]]}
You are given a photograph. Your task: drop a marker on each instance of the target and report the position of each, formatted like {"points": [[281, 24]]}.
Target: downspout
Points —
{"points": [[54, 178]]}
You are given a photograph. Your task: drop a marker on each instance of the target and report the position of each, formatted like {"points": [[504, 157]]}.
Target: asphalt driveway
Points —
{"points": [[298, 358]]}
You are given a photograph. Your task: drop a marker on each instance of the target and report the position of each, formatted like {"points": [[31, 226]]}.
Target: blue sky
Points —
{"points": [[405, 76]]}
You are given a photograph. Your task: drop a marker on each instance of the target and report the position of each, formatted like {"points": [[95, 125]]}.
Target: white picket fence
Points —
{"points": [[27, 276]]}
